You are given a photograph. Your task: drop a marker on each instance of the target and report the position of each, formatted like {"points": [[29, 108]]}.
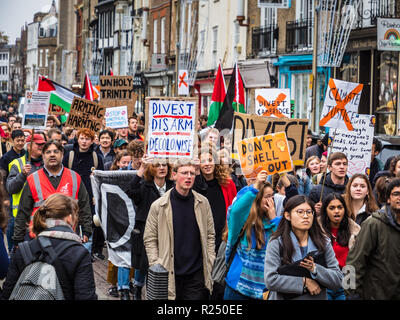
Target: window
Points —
{"points": [[155, 43], [41, 58], [268, 17], [202, 45], [163, 35], [46, 58], [214, 47]]}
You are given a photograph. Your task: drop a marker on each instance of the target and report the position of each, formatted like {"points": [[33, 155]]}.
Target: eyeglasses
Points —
{"points": [[395, 194], [301, 212], [188, 173]]}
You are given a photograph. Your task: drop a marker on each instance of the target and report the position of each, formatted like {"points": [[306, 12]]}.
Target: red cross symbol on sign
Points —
{"points": [[340, 105], [182, 80]]}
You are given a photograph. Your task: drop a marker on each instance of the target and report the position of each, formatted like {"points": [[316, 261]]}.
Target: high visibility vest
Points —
{"points": [[41, 188], [19, 163]]}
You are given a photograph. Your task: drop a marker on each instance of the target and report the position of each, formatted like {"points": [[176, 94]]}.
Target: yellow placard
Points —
{"points": [[270, 152]]}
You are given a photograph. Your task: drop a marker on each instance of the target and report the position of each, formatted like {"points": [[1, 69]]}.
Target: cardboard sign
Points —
{"points": [[341, 104], [356, 144], [117, 117], [247, 126], [270, 152], [56, 110], [272, 102], [170, 127], [35, 110], [118, 91], [85, 114], [183, 84]]}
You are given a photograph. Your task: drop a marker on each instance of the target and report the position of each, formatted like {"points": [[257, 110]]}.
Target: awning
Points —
{"points": [[257, 74]]}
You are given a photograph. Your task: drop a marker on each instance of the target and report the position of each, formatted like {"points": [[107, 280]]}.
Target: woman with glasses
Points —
{"points": [[300, 262], [252, 219], [150, 183], [338, 225]]}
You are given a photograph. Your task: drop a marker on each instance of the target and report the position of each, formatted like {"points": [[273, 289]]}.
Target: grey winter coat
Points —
{"points": [[329, 277]]}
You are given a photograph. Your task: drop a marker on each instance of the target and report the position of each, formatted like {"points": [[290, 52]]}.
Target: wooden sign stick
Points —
{"points": [[30, 147], [326, 169]]}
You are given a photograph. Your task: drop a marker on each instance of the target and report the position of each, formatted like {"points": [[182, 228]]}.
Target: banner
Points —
{"points": [[272, 102], [341, 104], [247, 126], [36, 109], [118, 91], [356, 144], [270, 152], [183, 83], [388, 34], [171, 127], [85, 114], [116, 212], [117, 117]]}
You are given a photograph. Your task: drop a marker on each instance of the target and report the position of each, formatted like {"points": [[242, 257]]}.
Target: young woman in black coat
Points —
{"points": [[56, 219], [150, 183]]}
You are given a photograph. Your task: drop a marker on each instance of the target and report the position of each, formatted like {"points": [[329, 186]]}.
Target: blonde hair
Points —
{"points": [[57, 206]]}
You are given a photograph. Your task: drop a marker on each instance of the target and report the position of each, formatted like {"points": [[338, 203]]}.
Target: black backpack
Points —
{"points": [[39, 279]]}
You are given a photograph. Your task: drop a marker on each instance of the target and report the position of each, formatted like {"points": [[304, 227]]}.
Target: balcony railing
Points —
{"points": [[369, 11], [299, 35], [264, 40]]}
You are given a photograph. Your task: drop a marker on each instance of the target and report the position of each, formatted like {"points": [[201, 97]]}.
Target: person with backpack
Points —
{"points": [[55, 257], [83, 159]]}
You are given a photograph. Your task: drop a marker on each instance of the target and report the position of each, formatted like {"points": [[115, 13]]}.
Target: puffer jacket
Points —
{"points": [[329, 187], [376, 258], [159, 237]]}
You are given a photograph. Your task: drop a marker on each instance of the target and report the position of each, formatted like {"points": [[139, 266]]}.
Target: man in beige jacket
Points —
{"points": [[179, 235]]}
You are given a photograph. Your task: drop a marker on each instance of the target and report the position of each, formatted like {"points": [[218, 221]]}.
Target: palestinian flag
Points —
{"points": [[217, 98], [88, 90], [60, 96], [234, 101]]}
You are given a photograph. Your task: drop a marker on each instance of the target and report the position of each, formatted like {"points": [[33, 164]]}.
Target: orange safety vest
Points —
{"points": [[41, 189]]}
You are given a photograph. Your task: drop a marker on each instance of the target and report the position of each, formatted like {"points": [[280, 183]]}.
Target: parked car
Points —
{"points": [[390, 147]]}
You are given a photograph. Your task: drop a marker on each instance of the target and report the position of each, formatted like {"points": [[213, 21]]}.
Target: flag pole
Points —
{"points": [[30, 147], [326, 169]]}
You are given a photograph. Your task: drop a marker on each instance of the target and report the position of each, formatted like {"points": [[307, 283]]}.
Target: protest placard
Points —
{"points": [[247, 126], [85, 114], [341, 104], [36, 110], [183, 83], [118, 91], [117, 117], [170, 127], [356, 144], [270, 152], [272, 102]]}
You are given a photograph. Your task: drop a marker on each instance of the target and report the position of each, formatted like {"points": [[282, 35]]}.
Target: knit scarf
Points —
{"points": [[67, 235]]}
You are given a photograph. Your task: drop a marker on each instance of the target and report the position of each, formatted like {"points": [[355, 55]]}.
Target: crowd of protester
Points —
{"points": [[296, 235]]}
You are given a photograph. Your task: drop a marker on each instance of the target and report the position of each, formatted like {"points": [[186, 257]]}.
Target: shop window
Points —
{"points": [[387, 73]]}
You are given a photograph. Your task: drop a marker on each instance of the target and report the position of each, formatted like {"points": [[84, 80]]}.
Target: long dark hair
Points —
{"points": [[285, 226], [343, 235]]}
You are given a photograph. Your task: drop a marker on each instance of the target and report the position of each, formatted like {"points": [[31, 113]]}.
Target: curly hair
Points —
{"points": [[136, 148], [221, 172]]}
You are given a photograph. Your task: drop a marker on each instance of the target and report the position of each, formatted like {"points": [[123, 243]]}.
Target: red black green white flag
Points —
{"points": [[234, 101], [217, 98]]}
